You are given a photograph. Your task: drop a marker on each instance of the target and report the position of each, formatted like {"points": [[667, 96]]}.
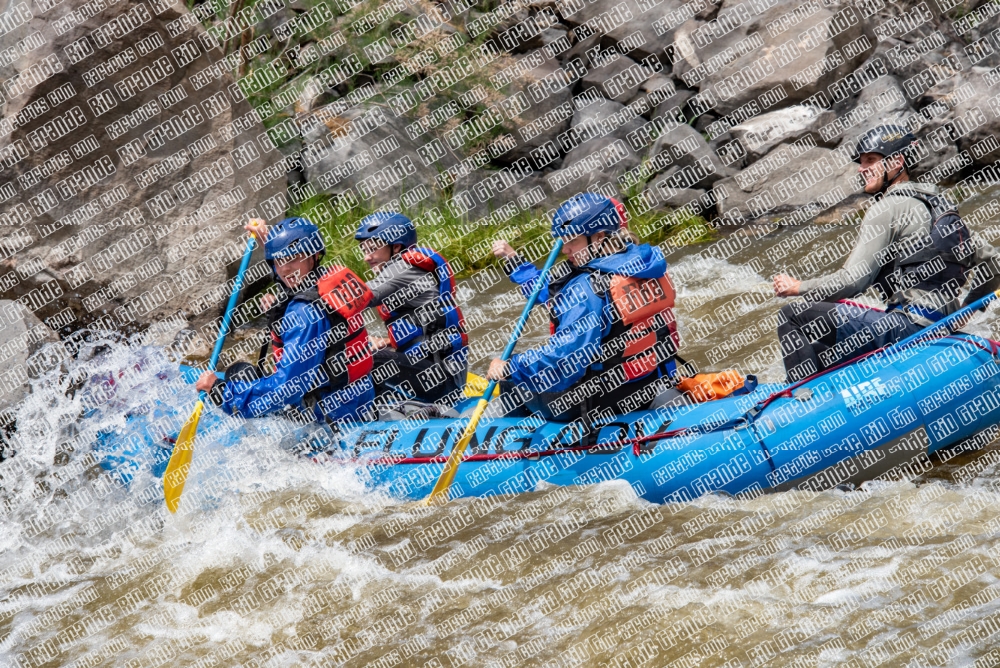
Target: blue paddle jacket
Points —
{"points": [[305, 328], [579, 314]]}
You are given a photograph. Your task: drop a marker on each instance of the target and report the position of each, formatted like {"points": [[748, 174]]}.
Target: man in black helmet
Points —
{"points": [[911, 246]]}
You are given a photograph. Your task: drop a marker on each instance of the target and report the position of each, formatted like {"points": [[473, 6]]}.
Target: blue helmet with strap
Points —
{"points": [[586, 214], [293, 236], [390, 228]]}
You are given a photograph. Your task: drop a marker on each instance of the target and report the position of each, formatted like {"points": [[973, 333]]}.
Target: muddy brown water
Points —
{"points": [[293, 563]]}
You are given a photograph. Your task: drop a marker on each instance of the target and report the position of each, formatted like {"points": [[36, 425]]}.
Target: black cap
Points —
{"points": [[885, 140]]}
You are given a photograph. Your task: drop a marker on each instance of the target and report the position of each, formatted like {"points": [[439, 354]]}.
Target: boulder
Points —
{"points": [[662, 192], [662, 94], [960, 115], [791, 185], [608, 139], [601, 124], [366, 153], [882, 101], [615, 69], [546, 112], [984, 28], [907, 59], [130, 162], [275, 14], [545, 37], [601, 149], [581, 177], [632, 29], [760, 134], [501, 193], [900, 58], [742, 57], [582, 49], [683, 146]]}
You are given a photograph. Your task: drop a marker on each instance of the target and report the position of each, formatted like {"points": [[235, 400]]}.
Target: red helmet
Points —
{"points": [[622, 214]]}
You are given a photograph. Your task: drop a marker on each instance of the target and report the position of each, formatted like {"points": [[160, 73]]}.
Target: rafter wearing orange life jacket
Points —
{"points": [[642, 315], [612, 317], [643, 329], [338, 292]]}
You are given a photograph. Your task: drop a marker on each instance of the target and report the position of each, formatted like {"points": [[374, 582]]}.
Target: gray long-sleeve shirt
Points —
{"points": [[886, 224], [400, 284]]}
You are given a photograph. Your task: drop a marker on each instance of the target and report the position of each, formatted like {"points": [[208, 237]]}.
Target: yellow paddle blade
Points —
{"points": [[440, 492], [475, 385], [180, 461]]}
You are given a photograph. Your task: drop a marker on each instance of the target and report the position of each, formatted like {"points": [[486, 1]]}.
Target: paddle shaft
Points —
{"points": [[230, 307], [455, 458], [179, 465], [945, 321], [523, 320]]}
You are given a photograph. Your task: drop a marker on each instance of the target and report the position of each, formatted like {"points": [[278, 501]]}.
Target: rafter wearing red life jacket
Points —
{"points": [[342, 296], [445, 331]]}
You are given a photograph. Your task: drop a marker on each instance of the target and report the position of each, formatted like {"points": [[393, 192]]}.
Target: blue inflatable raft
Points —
{"points": [[880, 416]]}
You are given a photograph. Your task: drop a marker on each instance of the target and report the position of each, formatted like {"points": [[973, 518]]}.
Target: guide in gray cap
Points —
{"points": [[912, 246]]}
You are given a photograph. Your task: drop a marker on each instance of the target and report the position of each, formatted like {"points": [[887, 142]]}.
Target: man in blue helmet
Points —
{"points": [[320, 346], [912, 247], [425, 355], [613, 335]]}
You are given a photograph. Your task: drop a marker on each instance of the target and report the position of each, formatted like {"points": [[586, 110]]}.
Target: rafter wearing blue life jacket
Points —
{"points": [[611, 319], [322, 355]]}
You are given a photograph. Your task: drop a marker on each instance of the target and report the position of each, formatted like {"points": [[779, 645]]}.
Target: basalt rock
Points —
{"points": [[662, 191], [760, 134], [602, 146], [790, 185], [614, 67], [538, 104], [626, 27], [792, 51], [960, 122], [129, 163], [684, 146], [600, 117], [498, 195], [364, 152], [662, 95]]}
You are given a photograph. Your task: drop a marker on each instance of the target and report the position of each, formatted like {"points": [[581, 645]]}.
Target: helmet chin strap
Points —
{"points": [[590, 250], [886, 182]]}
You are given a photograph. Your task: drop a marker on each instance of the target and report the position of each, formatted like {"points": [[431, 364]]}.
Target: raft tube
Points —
{"points": [[878, 417]]}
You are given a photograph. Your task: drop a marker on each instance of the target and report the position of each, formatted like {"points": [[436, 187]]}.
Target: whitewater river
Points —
{"points": [[294, 563]]}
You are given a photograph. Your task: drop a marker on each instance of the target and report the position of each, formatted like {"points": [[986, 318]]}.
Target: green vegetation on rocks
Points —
{"points": [[299, 41], [467, 244]]}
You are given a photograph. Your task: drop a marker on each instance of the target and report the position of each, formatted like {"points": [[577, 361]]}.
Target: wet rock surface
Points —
{"points": [[130, 163]]}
